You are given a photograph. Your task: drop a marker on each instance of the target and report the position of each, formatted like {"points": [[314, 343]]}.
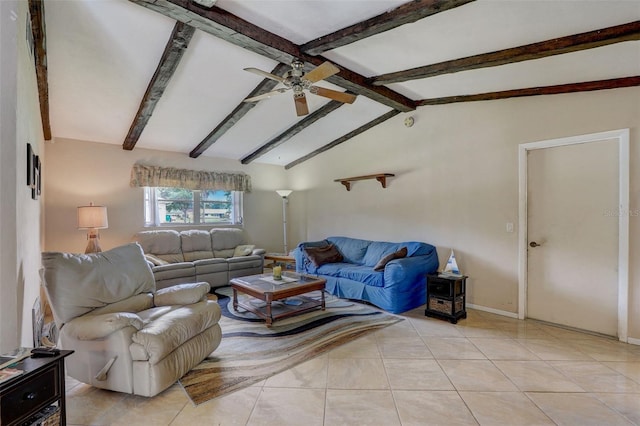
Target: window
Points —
{"points": [[178, 206]]}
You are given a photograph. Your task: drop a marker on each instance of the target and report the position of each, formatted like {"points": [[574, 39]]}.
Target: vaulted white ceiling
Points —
{"points": [[102, 54]]}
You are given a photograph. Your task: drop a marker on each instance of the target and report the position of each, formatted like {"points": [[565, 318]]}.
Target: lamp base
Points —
{"points": [[93, 246]]}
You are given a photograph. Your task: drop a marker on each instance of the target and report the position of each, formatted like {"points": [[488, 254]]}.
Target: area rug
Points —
{"points": [[250, 352]]}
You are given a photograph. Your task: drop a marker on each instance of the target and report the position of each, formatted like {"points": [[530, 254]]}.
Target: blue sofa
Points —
{"points": [[399, 287]]}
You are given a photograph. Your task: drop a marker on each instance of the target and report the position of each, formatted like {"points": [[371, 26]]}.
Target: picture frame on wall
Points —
{"points": [[39, 182], [29, 165], [35, 187], [34, 173]]}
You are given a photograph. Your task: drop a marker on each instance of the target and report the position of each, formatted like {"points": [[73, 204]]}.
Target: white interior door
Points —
{"points": [[572, 215]]}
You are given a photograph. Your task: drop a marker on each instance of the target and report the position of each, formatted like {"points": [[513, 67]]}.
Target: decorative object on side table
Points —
{"points": [[446, 296], [92, 218]]}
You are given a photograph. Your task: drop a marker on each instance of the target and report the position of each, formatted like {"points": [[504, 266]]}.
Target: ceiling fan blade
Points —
{"points": [[333, 94], [265, 95], [265, 74], [301, 104], [324, 70]]}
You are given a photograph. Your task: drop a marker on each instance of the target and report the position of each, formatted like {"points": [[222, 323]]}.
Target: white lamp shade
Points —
{"points": [[92, 217], [284, 193]]}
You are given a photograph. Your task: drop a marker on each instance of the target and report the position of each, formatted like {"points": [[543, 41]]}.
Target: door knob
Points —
{"points": [[534, 244]]}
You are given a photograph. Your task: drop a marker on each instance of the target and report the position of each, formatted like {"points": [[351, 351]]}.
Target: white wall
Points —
{"points": [[79, 172], [456, 183], [20, 217]]}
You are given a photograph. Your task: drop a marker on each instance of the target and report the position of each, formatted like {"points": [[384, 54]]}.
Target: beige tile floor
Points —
{"points": [[487, 370]]}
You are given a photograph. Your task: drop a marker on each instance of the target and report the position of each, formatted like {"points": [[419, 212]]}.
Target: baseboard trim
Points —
{"points": [[493, 311], [633, 341], [630, 340]]}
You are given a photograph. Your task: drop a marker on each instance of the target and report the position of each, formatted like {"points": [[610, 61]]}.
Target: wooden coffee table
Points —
{"points": [[265, 288]]}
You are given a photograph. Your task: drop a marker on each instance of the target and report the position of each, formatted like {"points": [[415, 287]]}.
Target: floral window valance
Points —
{"points": [[156, 176]]}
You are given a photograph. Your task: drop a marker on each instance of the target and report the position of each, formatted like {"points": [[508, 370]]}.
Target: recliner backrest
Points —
{"points": [[78, 283]]}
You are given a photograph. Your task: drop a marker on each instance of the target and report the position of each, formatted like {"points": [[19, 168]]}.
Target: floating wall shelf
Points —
{"points": [[380, 177]]}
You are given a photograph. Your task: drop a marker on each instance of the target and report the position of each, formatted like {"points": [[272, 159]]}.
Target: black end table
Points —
{"points": [[446, 297], [40, 386]]}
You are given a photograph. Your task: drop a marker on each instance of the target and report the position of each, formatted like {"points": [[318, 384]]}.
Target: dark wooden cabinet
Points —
{"points": [[39, 387], [446, 297]]}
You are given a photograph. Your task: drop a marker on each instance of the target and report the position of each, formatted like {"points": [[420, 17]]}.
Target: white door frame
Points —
{"points": [[622, 137]]}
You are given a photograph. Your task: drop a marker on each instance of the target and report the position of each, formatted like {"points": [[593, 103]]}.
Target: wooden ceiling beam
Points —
{"points": [[344, 138], [557, 46], [173, 51], [615, 83], [293, 130], [404, 14], [235, 30], [36, 10], [230, 120]]}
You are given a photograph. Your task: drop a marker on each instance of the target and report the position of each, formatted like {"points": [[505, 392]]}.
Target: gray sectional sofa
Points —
{"points": [[196, 255]]}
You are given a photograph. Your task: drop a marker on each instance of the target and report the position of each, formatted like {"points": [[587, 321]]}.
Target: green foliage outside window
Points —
{"points": [[184, 206]]}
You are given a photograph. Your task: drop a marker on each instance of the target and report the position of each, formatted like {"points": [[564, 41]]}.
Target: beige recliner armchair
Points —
{"points": [[126, 336]]}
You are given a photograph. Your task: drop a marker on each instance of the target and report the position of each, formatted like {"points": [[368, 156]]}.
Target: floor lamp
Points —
{"points": [[284, 193], [92, 218]]}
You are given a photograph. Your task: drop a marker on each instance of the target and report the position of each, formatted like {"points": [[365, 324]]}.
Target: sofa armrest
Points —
{"points": [[408, 272], [181, 294], [303, 264], [259, 252], [92, 327]]}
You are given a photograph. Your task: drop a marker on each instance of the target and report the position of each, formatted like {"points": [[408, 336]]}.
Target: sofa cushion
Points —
{"points": [[352, 249], [181, 294], [379, 249], [224, 254], [321, 255], [78, 283], [243, 250], [167, 332], [137, 303], [244, 262], [226, 238], [196, 244], [164, 243], [360, 273], [388, 258]]}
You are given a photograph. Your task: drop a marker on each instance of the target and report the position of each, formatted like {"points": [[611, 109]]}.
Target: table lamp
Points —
{"points": [[92, 218]]}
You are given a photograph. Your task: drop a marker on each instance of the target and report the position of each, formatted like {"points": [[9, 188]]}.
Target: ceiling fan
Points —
{"points": [[297, 80]]}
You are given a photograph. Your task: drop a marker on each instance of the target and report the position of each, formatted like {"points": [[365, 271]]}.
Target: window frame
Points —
{"points": [[151, 214]]}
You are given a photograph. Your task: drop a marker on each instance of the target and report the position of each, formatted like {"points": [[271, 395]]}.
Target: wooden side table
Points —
{"points": [[279, 258], [40, 386], [446, 297]]}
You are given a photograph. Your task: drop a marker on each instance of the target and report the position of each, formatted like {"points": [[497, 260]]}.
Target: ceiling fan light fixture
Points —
{"points": [[297, 80]]}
